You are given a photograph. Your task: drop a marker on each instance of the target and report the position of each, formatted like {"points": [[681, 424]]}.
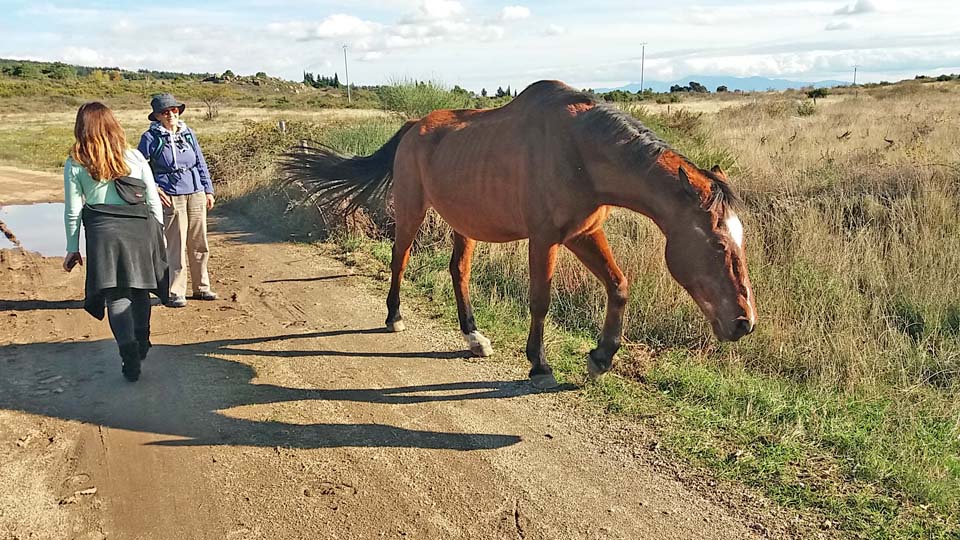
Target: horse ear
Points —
{"points": [[719, 172], [685, 182]]}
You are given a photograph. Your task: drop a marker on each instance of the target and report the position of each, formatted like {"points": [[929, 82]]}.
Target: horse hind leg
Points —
{"points": [[594, 252], [410, 212], [460, 273]]}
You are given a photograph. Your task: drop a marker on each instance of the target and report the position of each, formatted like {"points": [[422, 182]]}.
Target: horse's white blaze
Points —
{"points": [[479, 344], [735, 228]]}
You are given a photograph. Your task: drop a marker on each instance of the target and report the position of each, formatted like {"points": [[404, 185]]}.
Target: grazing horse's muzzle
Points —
{"points": [[741, 327]]}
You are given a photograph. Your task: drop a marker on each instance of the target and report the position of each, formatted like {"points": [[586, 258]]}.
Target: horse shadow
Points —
{"points": [[189, 393]]}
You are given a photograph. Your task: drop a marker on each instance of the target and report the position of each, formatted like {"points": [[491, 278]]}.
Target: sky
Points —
{"points": [[486, 43]]}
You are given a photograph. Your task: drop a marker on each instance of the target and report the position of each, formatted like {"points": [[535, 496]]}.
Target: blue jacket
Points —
{"points": [[178, 165]]}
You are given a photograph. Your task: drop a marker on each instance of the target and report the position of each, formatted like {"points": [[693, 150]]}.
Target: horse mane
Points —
{"points": [[644, 147], [722, 197]]}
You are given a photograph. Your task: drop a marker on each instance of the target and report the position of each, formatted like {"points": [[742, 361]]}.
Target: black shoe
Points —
{"points": [[143, 341], [130, 354]]}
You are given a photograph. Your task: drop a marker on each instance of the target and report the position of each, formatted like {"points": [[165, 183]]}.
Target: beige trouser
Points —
{"points": [[185, 227]]}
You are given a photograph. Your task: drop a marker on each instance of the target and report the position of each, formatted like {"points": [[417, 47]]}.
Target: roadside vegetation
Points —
{"points": [[843, 405]]}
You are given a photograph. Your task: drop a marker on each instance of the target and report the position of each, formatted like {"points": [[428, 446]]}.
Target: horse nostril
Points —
{"points": [[744, 327]]}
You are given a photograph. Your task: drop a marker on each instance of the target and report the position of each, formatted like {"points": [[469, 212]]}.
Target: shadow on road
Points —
{"points": [[184, 389], [30, 305]]}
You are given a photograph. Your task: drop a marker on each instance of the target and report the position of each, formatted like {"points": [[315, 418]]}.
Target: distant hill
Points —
{"points": [[747, 84]]}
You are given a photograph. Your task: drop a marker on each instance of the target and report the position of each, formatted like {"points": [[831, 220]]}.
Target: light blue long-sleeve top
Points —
{"points": [[79, 188]]}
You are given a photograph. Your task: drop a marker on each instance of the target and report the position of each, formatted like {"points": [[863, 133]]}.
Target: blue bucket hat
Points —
{"points": [[162, 102]]}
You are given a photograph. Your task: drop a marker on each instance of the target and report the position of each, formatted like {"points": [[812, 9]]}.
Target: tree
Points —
{"points": [[27, 71], [261, 75], [114, 75], [699, 88], [61, 71], [228, 75], [483, 92], [721, 88], [212, 96], [817, 93]]}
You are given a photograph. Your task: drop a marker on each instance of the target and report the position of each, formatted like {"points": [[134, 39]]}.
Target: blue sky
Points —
{"points": [[485, 43]]}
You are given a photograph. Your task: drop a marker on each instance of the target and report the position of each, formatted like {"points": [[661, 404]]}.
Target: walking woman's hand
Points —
{"points": [[164, 198], [71, 260], [210, 201]]}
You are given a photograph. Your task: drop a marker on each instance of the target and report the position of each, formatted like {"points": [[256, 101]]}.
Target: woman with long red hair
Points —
{"points": [[109, 189]]}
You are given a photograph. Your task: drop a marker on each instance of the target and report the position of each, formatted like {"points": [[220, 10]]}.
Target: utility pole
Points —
{"points": [[856, 92], [346, 72], [643, 50]]}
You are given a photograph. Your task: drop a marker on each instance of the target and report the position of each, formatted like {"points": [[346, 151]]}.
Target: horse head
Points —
{"points": [[705, 254]]}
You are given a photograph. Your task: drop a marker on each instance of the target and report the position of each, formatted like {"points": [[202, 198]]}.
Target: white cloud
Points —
{"points": [[514, 13], [333, 27], [861, 6], [839, 26], [554, 30], [83, 56], [124, 27], [432, 10]]}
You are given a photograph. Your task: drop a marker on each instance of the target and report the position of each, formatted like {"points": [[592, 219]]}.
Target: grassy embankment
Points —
{"points": [[844, 402]]}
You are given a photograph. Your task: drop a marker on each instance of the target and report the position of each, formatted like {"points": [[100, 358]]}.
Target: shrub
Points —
{"points": [[415, 99], [806, 108]]}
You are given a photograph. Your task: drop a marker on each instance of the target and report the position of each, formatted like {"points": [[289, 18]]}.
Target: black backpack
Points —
{"points": [[132, 190]]}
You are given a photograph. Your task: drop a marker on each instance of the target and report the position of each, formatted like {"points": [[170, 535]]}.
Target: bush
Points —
{"points": [[806, 108], [416, 99]]}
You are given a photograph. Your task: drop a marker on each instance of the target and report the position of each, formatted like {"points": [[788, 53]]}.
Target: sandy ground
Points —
{"points": [[21, 186], [284, 411]]}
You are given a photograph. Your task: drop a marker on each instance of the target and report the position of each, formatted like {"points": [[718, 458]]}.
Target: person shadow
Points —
{"points": [[188, 392]]}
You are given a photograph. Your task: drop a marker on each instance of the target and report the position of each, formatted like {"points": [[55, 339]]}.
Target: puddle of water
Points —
{"points": [[38, 227]]}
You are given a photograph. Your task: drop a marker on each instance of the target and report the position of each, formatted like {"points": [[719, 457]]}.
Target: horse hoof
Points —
{"points": [[544, 382], [479, 344], [595, 370], [396, 326]]}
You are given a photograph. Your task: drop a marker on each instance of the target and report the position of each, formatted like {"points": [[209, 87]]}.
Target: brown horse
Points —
{"points": [[548, 166]]}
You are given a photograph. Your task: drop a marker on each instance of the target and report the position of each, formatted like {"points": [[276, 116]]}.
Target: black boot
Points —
{"points": [[143, 341], [130, 354]]}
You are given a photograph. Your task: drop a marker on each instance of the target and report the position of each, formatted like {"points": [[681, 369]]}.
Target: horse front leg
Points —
{"points": [[460, 273], [594, 252], [543, 259]]}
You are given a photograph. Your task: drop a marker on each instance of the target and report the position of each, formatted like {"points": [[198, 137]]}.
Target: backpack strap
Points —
{"points": [[156, 151], [188, 135]]}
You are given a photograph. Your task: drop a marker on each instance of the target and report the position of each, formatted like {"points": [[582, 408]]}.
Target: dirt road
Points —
{"points": [[283, 411]]}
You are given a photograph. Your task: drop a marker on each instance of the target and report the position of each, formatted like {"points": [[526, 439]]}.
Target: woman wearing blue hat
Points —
{"points": [[186, 193]]}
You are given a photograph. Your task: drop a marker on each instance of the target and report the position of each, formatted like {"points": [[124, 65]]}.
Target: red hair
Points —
{"points": [[100, 142]]}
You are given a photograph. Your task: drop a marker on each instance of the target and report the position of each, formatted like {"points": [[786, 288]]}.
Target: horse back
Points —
{"points": [[503, 174]]}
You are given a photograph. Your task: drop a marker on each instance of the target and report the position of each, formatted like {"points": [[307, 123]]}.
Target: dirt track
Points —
{"points": [[283, 411]]}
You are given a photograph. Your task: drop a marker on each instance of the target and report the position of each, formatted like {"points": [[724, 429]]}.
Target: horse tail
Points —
{"points": [[343, 183]]}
